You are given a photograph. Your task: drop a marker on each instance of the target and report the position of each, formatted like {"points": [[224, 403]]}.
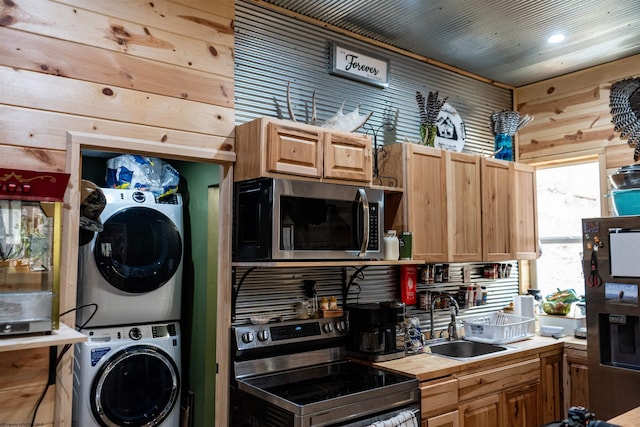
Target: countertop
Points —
{"points": [[426, 366], [628, 419]]}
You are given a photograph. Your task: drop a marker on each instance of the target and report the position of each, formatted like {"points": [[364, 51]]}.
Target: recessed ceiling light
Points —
{"points": [[556, 38]]}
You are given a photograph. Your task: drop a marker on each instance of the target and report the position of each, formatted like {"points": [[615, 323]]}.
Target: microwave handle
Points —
{"points": [[365, 225]]}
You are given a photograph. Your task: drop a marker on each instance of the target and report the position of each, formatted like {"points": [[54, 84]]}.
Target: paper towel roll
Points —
{"points": [[523, 305]]}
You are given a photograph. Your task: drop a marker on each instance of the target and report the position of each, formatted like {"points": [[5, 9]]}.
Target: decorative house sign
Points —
{"points": [[450, 134], [353, 64]]}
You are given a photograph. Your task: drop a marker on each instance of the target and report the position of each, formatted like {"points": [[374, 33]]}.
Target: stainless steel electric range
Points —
{"points": [[295, 373]]}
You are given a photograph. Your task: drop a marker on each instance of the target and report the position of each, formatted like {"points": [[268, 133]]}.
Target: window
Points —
{"points": [[566, 194]]}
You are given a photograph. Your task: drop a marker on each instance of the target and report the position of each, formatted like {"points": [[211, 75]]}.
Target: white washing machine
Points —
{"points": [[133, 268], [128, 376]]}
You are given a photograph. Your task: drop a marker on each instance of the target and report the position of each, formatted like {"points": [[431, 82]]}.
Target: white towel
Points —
{"points": [[403, 419]]}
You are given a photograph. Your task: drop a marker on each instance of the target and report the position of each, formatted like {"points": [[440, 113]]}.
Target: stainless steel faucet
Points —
{"points": [[454, 309]]}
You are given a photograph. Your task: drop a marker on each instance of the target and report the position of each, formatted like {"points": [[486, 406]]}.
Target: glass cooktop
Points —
{"points": [[319, 383]]}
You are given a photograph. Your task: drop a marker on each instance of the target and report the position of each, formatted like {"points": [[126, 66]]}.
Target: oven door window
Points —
{"points": [[310, 224]]}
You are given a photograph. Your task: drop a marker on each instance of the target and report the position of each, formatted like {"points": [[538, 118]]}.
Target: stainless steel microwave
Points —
{"points": [[284, 219]]}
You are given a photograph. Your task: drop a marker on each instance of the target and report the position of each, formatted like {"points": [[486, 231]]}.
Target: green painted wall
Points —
{"points": [[199, 287]]}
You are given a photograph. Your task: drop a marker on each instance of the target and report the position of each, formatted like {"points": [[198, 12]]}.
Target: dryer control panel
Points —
{"points": [[134, 333]]}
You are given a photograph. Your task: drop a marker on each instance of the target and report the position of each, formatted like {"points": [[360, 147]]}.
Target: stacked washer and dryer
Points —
{"points": [[128, 372]]}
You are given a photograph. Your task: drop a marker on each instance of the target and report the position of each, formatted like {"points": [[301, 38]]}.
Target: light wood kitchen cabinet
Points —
{"points": [[509, 216], [551, 378], [521, 407], [515, 407], [439, 402], [504, 396], [463, 207], [450, 419], [496, 210], [481, 412], [575, 379], [267, 147], [441, 203], [524, 209]]}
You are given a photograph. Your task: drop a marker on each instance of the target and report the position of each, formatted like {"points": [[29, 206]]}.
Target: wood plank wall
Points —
{"points": [[572, 117], [158, 71]]}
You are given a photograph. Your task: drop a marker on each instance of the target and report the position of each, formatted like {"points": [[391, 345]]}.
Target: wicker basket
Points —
{"points": [[498, 328]]}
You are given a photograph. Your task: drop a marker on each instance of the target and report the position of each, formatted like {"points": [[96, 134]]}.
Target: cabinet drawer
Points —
{"points": [[450, 419], [438, 396], [498, 379], [576, 356]]}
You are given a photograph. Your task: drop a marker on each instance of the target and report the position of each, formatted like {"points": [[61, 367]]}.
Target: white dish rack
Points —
{"points": [[499, 328]]}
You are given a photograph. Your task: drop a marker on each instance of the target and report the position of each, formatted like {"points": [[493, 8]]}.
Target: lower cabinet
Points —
{"points": [[504, 396], [439, 402], [551, 375], [575, 380], [515, 407], [450, 419], [521, 406], [528, 392], [484, 411]]}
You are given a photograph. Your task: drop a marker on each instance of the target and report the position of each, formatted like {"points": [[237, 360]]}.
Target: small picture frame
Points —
{"points": [[621, 293], [352, 63]]}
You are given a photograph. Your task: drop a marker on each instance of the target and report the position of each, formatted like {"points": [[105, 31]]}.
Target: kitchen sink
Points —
{"points": [[462, 349]]}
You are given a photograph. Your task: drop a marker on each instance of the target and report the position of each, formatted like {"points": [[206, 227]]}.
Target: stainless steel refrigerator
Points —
{"points": [[611, 263]]}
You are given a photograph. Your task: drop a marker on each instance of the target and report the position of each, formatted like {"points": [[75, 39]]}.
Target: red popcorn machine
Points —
{"points": [[30, 235]]}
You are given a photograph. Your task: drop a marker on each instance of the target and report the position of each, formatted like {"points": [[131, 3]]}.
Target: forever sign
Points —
{"points": [[349, 63]]}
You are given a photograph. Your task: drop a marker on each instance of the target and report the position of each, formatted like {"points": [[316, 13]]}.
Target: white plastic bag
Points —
{"points": [[142, 173]]}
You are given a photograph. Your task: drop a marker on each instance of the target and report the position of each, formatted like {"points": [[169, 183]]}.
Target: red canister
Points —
{"points": [[408, 283]]}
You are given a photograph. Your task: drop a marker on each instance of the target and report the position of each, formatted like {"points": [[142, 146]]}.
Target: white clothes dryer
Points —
{"points": [[128, 376], [133, 268]]}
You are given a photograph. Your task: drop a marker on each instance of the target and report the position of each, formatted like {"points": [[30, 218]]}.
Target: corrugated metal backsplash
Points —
{"points": [[272, 50], [275, 291]]}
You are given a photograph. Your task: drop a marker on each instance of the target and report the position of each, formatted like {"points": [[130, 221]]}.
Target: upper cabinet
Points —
{"points": [[441, 203], [509, 218], [279, 148], [463, 207], [525, 208], [497, 223]]}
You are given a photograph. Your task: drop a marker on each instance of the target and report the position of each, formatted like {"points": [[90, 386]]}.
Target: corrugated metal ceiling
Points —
{"points": [[503, 40]]}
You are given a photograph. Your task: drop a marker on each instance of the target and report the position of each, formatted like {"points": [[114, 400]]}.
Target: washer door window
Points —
{"points": [[137, 387], [139, 249]]}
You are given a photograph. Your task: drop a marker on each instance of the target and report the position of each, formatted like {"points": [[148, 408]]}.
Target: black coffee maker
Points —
{"points": [[372, 331]]}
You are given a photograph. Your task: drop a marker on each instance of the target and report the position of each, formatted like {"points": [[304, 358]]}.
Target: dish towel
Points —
{"points": [[403, 419]]}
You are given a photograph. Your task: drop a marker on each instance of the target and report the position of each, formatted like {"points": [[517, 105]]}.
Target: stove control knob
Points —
{"points": [[340, 326], [328, 327], [247, 337], [263, 335]]}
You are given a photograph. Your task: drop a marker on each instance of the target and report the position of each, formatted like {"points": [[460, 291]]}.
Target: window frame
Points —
{"points": [[529, 269]]}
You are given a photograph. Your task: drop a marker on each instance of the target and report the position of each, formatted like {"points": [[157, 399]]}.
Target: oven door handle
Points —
{"points": [[364, 201]]}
